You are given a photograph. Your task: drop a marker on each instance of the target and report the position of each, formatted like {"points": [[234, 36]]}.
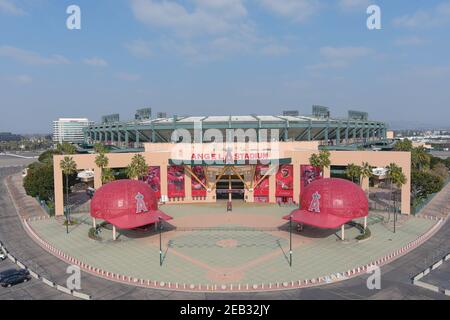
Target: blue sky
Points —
{"points": [[205, 57]]}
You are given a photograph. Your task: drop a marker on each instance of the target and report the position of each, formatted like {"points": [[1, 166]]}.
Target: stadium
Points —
{"points": [[348, 133], [205, 159], [235, 203]]}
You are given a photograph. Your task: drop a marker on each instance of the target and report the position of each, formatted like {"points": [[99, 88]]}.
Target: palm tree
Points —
{"points": [[321, 160], [100, 148], [137, 168], [396, 177], [107, 176], [68, 167], [420, 158], [66, 148], [366, 172], [102, 161], [353, 171]]}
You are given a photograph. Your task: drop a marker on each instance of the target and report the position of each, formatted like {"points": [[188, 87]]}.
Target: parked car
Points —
{"points": [[2, 256], [90, 192], [12, 272], [14, 279]]}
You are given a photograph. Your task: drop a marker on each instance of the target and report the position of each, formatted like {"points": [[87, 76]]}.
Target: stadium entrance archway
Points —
{"points": [[230, 187]]}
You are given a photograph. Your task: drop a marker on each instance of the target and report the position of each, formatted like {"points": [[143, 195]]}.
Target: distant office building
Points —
{"points": [[291, 113], [112, 118], [8, 136], [161, 115], [321, 112], [69, 130], [358, 115], [143, 114]]}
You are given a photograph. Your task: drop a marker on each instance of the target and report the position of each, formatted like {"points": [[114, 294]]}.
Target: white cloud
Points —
{"points": [[31, 58], [297, 10], [275, 50], [9, 7], [435, 17], [350, 5], [140, 48], [340, 57], [432, 71], [22, 79], [200, 30], [125, 76], [95, 62], [410, 41], [344, 53], [206, 16]]}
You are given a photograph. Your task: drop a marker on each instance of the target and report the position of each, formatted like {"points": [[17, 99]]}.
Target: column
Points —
{"points": [[188, 185], [58, 187], [273, 186], [297, 184], [97, 178], [164, 191]]}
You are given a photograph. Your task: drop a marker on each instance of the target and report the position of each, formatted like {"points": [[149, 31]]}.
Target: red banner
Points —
{"points": [[310, 173], [175, 182], [285, 181], [153, 179], [198, 190], [262, 189]]}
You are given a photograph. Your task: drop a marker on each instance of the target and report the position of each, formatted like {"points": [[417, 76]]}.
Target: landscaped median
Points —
{"points": [[244, 267]]}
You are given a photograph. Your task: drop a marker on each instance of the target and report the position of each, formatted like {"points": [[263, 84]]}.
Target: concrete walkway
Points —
{"points": [[395, 283]]}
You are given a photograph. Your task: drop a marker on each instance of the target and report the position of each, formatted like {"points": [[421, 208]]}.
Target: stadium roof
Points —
{"points": [[236, 119]]}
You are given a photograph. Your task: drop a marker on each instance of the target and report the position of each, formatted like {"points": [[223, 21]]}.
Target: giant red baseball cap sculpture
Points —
{"points": [[330, 203], [127, 204]]}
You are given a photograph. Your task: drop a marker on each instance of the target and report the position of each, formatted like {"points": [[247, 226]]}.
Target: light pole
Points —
{"points": [[290, 240], [67, 221], [160, 242], [395, 211]]}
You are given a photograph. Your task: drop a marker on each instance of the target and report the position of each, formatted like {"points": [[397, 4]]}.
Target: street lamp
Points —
{"points": [[160, 242], [66, 209], [395, 211], [290, 240]]}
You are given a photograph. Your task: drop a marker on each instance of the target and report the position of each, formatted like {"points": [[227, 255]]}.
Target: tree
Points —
{"points": [[100, 148], [366, 173], [47, 156], [396, 177], [321, 160], [425, 183], [403, 145], [353, 171], [39, 181], [66, 148], [102, 161], [447, 163], [68, 167], [107, 176], [441, 171], [420, 158], [137, 168]]}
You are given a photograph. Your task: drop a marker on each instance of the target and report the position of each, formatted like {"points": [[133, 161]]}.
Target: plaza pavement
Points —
{"points": [[396, 277], [254, 257]]}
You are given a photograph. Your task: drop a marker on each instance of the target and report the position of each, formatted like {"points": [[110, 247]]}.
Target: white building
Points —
{"points": [[69, 130]]}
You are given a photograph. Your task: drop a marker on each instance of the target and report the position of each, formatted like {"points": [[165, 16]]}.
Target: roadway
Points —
{"points": [[396, 283]]}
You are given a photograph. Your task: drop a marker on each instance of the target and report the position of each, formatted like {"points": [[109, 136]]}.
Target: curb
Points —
{"points": [[235, 288], [44, 280]]}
